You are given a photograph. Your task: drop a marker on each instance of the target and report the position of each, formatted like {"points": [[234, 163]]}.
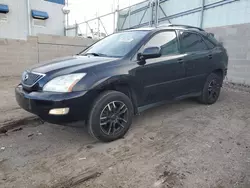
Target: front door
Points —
{"points": [[162, 77]]}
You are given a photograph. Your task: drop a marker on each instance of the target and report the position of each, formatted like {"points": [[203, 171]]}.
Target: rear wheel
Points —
{"points": [[211, 89], [110, 116]]}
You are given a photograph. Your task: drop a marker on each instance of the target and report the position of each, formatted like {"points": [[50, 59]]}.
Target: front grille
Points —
{"points": [[31, 78]]}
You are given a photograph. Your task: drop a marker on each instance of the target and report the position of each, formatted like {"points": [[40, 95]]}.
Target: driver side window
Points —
{"points": [[166, 40]]}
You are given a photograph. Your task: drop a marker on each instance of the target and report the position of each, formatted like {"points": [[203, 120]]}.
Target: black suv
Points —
{"points": [[124, 74]]}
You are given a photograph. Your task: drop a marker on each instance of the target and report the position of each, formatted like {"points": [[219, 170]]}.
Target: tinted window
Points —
{"points": [[209, 43], [118, 44], [191, 42], [167, 41]]}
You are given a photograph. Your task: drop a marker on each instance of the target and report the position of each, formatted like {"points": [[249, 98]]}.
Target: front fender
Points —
{"points": [[110, 77]]}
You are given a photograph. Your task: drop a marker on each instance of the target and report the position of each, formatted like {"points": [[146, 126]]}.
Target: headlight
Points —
{"points": [[63, 83]]}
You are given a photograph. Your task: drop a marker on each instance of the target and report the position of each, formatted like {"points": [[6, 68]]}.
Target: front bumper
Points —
{"points": [[40, 103]]}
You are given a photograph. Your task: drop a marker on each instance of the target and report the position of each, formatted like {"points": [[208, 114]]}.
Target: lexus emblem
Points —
{"points": [[25, 76]]}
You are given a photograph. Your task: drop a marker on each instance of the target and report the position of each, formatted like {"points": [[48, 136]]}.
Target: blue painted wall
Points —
{"points": [[62, 2]]}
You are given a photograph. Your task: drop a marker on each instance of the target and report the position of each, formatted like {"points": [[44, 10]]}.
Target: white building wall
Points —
{"points": [[216, 13], [16, 26], [55, 24], [237, 12]]}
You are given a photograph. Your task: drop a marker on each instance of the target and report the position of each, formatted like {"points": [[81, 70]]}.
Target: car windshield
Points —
{"points": [[116, 45]]}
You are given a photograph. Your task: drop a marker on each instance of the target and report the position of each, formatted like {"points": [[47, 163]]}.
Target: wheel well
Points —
{"points": [[125, 89], [219, 72]]}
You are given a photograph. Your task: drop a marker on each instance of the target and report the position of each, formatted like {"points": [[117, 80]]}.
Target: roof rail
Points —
{"points": [[178, 25]]}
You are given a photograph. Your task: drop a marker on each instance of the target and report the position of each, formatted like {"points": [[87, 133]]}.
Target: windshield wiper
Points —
{"points": [[94, 54]]}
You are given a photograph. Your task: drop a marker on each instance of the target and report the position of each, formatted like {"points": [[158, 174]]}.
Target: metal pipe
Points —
{"points": [[90, 29], [98, 25], [157, 11], [202, 12], [124, 21], [76, 30], [165, 14], [129, 18], [28, 17], [143, 16], [67, 24], [114, 22], [103, 26], [117, 14], [152, 13]]}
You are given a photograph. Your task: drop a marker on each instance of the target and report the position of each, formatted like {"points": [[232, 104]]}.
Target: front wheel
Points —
{"points": [[110, 116], [211, 89]]}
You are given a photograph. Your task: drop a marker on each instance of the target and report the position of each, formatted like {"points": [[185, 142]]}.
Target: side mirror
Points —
{"points": [[148, 53]]}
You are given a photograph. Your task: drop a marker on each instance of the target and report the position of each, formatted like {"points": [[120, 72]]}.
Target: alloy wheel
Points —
{"points": [[213, 90], [114, 117]]}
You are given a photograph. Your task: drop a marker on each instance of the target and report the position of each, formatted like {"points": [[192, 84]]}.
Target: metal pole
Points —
{"points": [[166, 16], [157, 11], [150, 15], [202, 12], [129, 14], [98, 26], [114, 9], [76, 30], [67, 24], [28, 15], [114, 22], [90, 29], [117, 14], [103, 26], [86, 28]]}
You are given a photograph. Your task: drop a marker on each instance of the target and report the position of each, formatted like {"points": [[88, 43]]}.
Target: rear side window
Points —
{"points": [[191, 42], [166, 40]]}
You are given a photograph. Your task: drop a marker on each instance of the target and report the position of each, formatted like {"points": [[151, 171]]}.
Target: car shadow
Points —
{"points": [[77, 134]]}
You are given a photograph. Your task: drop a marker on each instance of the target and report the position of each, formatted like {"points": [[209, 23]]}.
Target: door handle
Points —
{"points": [[210, 56], [180, 61]]}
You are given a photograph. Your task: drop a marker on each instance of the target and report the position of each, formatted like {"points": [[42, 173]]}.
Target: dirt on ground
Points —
{"points": [[179, 145], [10, 112]]}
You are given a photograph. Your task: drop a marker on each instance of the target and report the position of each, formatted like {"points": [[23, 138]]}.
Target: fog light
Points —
{"points": [[59, 111]]}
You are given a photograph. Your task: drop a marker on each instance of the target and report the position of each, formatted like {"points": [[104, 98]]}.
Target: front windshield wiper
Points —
{"points": [[94, 54]]}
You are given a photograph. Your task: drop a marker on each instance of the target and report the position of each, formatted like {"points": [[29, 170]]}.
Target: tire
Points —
{"points": [[110, 116], [211, 89]]}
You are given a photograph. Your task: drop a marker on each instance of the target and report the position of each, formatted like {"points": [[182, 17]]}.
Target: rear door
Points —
{"points": [[197, 60]]}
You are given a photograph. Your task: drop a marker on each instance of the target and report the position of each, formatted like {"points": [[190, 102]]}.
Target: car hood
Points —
{"points": [[70, 64]]}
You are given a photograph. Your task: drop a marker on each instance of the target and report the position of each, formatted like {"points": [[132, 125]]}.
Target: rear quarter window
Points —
{"points": [[212, 39], [191, 42], [209, 44]]}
